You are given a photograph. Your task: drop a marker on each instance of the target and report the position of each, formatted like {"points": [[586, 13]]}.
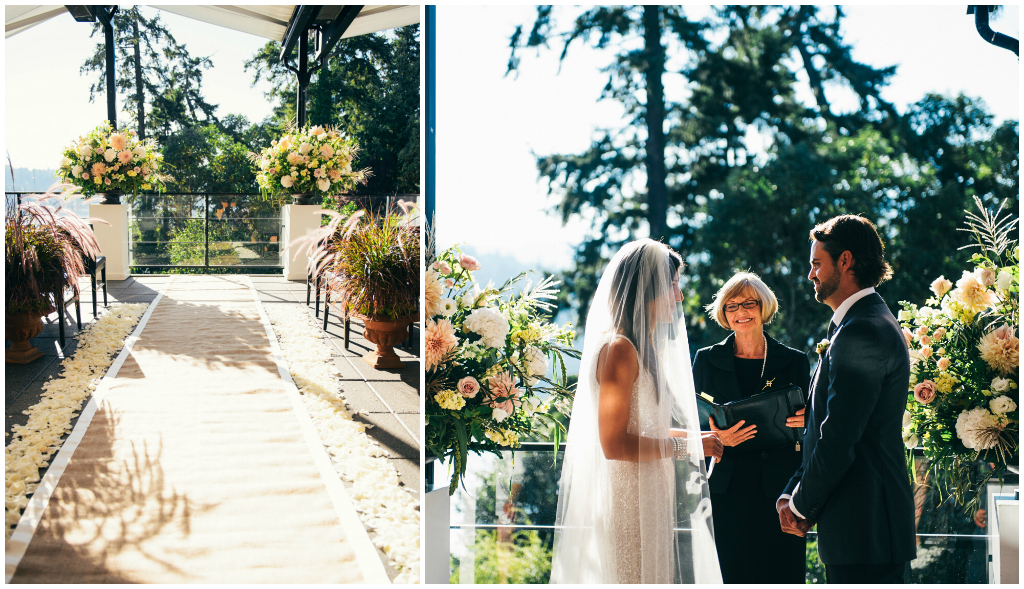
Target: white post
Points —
{"points": [[299, 220], [437, 532], [113, 238]]}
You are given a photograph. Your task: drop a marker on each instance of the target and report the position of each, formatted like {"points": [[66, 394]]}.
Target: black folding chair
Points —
{"points": [[68, 297], [94, 266], [328, 279]]}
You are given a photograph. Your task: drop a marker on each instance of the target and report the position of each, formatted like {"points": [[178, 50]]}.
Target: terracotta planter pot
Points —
{"points": [[20, 328], [386, 334]]}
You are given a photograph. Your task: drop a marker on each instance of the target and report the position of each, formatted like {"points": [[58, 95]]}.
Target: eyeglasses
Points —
{"points": [[748, 304]]}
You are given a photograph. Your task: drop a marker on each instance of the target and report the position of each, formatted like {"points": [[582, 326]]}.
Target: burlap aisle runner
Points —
{"points": [[194, 468]]}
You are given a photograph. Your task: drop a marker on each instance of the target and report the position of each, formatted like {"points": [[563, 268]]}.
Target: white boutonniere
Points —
{"points": [[822, 346]]}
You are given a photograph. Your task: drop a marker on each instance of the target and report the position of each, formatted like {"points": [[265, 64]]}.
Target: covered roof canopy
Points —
{"points": [[267, 21]]}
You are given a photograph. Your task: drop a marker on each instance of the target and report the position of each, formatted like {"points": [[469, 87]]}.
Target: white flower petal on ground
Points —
{"points": [[389, 510], [33, 444]]}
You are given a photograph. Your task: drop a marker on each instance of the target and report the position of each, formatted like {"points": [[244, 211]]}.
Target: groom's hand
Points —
{"points": [[790, 523], [712, 444]]}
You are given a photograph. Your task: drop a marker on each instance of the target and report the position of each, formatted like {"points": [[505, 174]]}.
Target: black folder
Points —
{"points": [[769, 410]]}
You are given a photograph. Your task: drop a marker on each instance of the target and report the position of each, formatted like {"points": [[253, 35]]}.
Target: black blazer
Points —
{"points": [[714, 373], [853, 478]]}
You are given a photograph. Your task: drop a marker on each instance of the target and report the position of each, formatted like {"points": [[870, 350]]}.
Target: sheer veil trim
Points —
{"points": [[620, 521]]}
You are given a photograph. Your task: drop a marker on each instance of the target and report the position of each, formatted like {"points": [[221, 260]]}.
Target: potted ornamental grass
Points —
{"points": [[111, 163], [374, 257], [44, 248], [308, 162]]}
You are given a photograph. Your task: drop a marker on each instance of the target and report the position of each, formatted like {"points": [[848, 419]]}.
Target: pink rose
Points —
{"points": [[939, 334], [468, 387], [924, 392], [926, 341], [107, 181], [943, 363], [922, 331], [85, 175], [926, 352], [469, 262], [448, 283]]}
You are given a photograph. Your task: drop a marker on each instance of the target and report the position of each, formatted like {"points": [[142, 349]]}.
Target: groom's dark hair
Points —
{"points": [[857, 235]]}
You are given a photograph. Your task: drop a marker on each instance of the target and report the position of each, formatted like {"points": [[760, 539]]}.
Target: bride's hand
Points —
{"points": [[734, 435], [712, 444]]}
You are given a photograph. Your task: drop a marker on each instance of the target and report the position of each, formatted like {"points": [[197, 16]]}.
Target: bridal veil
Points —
{"points": [[620, 521]]}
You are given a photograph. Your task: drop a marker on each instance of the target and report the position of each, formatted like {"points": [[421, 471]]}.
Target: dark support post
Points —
{"points": [[105, 15], [303, 74], [431, 82]]}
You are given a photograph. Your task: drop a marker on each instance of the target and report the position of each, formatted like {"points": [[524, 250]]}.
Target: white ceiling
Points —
{"points": [[269, 21]]}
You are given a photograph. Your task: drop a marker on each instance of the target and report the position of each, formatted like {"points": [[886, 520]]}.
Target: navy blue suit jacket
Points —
{"points": [[853, 477]]}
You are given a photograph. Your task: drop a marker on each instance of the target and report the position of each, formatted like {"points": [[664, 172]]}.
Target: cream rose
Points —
{"points": [[1000, 384], [986, 276], [323, 184], [943, 363], [1004, 281], [77, 171], [85, 151], [941, 286], [1002, 405], [305, 148]]}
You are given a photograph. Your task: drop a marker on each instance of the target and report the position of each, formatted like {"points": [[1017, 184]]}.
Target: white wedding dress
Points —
{"points": [[649, 561], [619, 521]]}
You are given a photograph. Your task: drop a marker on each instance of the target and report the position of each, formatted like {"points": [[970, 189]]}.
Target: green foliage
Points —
{"points": [[518, 557], [815, 572], [728, 207], [369, 89]]}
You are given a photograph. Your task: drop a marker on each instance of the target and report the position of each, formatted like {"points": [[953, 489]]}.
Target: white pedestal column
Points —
{"points": [[1004, 539], [299, 220], [113, 238], [437, 531]]}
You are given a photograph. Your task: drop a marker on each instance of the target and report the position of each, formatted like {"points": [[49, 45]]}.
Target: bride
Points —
{"points": [[633, 503]]}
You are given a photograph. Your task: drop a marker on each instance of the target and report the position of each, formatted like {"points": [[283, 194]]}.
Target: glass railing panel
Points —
{"points": [[502, 525]]}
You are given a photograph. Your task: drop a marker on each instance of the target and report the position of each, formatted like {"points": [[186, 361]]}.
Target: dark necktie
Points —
{"points": [[831, 330]]}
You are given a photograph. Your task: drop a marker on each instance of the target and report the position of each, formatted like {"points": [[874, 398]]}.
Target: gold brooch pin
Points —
{"points": [[768, 383]]}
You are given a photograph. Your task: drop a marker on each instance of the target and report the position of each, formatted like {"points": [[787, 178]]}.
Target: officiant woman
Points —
{"points": [[751, 545]]}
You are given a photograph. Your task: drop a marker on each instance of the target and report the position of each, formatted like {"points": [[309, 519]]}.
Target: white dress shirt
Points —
{"points": [[837, 318]]}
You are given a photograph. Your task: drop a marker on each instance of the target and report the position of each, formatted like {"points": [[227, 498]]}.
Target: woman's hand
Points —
{"points": [[712, 444], [734, 435], [797, 420]]}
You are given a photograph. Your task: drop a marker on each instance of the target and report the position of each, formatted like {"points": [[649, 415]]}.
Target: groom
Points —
{"points": [[853, 481]]}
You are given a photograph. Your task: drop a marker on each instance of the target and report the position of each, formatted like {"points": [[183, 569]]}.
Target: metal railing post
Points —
{"points": [[206, 226]]}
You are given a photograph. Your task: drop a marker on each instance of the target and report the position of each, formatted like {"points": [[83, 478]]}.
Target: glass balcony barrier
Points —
{"points": [[502, 525]]}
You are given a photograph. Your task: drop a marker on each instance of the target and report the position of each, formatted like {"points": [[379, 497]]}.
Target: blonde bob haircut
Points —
{"points": [[744, 283]]}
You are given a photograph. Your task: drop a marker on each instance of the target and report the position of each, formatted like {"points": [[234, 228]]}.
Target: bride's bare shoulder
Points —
{"points": [[618, 360]]}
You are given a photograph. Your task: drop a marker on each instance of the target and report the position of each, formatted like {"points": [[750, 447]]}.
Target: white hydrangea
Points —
{"points": [[1002, 405], [490, 325], [971, 423]]}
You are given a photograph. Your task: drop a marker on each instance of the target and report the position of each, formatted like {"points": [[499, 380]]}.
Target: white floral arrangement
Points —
{"points": [[313, 160], [384, 506], [106, 160], [488, 355], [33, 444], [964, 355]]}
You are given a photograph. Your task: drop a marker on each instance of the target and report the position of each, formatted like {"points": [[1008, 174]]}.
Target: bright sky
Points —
{"points": [[489, 126], [46, 100]]}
